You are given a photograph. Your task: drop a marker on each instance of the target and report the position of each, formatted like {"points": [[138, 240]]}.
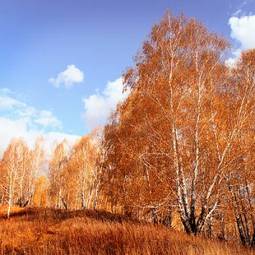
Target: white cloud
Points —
{"points": [[98, 107], [15, 109], [10, 129], [242, 31], [46, 118], [52, 139], [72, 75], [19, 120], [231, 61], [7, 102]]}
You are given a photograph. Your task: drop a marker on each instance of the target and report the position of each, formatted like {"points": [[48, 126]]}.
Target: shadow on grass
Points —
{"points": [[32, 214]]}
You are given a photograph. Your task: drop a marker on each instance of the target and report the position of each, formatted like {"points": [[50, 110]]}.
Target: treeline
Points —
{"points": [[19, 169], [74, 177], [182, 143], [68, 180]]}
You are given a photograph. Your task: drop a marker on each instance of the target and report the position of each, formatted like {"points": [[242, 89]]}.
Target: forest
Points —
{"points": [[178, 153]]}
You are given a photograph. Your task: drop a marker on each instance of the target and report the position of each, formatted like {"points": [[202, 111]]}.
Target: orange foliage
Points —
{"points": [[185, 134]]}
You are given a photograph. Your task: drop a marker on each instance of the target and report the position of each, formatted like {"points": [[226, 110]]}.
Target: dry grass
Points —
{"points": [[45, 231]]}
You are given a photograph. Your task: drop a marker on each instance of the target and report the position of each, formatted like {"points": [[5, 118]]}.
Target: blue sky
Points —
{"points": [[40, 39]]}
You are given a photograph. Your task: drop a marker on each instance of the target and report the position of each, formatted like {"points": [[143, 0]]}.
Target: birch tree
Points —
{"points": [[80, 173], [15, 162], [241, 179], [177, 133], [56, 179]]}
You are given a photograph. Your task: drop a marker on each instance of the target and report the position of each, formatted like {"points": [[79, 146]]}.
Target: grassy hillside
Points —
{"points": [[46, 231]]}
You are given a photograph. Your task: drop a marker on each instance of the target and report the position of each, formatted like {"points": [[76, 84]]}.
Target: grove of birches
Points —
{"points": [[180, 150]]}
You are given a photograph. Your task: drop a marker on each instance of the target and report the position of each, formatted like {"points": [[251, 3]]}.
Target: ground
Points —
{"points": [[48, 231]]}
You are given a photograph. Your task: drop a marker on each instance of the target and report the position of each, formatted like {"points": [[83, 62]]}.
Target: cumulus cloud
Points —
{"points": [[19, 120], [242, 31], [69, 77], [98, 107]]}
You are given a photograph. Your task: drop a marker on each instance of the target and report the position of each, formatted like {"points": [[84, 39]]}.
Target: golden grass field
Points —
{"points": [[47, 231]]}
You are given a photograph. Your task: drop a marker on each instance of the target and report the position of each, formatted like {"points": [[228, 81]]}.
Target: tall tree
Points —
{"points": [[176, 135], [56, 181], [16, 164], [240, 180], [80, 174]]}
